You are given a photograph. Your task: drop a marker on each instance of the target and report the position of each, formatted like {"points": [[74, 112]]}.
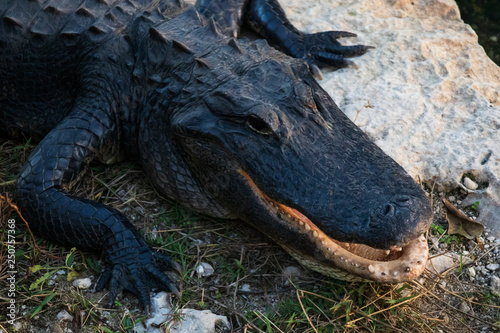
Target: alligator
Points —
{"points": [[228, 126]]}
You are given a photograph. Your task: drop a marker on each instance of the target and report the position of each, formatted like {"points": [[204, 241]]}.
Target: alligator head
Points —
{"points": [[265, 143]]}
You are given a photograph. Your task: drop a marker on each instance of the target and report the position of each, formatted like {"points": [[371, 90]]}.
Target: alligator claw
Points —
{"points": [[316, 72], [137, 270], [351, 64], [322, 49]]}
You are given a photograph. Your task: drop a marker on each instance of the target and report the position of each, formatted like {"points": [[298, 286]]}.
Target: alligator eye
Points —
{"points": [[258, 125]]}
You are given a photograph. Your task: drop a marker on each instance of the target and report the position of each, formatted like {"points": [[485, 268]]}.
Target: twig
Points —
{"points": [[13, 206], [258, 313], [8, 182], [304, 310]]}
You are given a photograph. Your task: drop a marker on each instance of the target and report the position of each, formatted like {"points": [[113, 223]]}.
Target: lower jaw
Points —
{"points": [[357, 262], [341, 264]]}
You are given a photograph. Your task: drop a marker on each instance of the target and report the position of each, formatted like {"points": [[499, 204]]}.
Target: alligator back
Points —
{"points": [[44, 21], [45, 43]]}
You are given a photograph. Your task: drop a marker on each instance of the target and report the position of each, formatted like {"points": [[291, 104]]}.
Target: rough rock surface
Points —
{"points": [[427, 94]]}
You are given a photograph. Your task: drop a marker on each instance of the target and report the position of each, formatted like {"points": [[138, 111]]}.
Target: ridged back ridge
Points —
{"points": [[43, 21]]}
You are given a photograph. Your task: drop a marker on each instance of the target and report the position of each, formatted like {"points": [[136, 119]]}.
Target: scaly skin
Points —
{"points": [[227, 127]]}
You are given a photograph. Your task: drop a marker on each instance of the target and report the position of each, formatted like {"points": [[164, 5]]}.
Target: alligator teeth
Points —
{"points": [[315, 234], [347, 244], [308, 227], [371, 268], [387, 252]]}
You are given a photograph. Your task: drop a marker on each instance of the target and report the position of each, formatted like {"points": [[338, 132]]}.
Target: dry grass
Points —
{"points": [[241, 256]]}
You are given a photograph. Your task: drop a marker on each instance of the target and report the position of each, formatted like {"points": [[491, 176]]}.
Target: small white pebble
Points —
{"points": [[464, 307], [82, 283], [204, 269], [493, 267], [290, 271], [470, 184], [471, 271], [245, 287], [495, 283], [64, 316]]}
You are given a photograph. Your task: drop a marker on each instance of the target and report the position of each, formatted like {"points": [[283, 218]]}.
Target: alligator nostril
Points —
{"points": [[388, 210], [401, 200], [383, 212]]}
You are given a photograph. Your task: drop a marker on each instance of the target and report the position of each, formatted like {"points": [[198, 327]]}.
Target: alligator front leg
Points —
{"points": [[130, 263], [267, 18], [319, 49]]}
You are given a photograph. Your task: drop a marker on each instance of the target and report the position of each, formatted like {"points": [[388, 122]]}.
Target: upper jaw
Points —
{"points": [[388, 225]]}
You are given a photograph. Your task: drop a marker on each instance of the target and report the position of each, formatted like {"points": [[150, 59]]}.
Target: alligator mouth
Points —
{"points": [[347, 261]]}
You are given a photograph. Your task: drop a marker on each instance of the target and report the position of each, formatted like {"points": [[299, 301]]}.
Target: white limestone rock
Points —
{"points": [[433, 94], [441, 264], [164, 318]]}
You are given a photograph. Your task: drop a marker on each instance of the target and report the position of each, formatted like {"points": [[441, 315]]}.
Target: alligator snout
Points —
{"points": [[401, 219], [395, 204]]}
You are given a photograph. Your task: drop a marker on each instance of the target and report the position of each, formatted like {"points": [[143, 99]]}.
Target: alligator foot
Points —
{"points": [[322, 49], [138, 270]]}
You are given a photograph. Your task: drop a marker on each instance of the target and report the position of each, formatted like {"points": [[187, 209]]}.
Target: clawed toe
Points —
{"points": [[323, 50], [138, 276]]}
